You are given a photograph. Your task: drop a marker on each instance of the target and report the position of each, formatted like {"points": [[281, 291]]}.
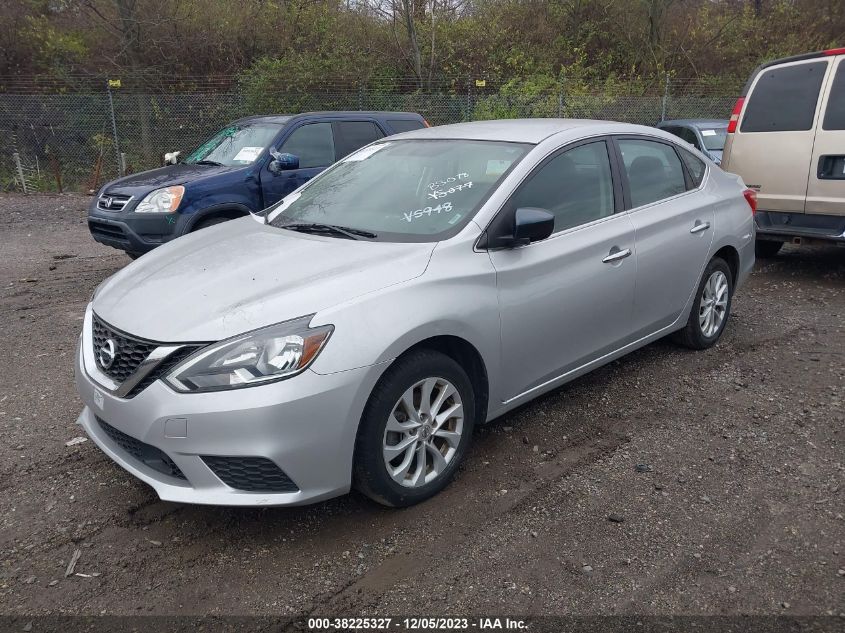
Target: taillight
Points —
{"points": [[835, 51], [735, 115], [427, 124], [751, 199]]}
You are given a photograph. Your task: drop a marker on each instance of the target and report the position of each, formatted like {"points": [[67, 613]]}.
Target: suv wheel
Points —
{"points": [[415, 430], [204, 224], [711, 308]]}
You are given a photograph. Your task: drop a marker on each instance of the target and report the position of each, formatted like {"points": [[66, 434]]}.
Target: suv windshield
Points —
{"points": [[408, 191], [714, 138], [235, 145]]}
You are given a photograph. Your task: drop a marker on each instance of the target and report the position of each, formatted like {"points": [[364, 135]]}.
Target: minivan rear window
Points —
{"points": [[834, 116], [784, 99]]}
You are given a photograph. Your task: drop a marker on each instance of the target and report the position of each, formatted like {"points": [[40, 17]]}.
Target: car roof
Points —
{"points": [[699, 123], [520, 130], [351, 114]]}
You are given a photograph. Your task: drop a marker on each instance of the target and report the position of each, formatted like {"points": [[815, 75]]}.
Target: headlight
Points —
{"points": [[266, 355], [165, 200]]}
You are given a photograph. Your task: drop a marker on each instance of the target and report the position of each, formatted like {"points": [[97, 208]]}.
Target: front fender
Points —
{"points": [[378, 327]]}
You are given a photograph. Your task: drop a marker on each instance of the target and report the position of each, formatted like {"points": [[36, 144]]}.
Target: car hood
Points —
{"points": [[241, 275], [164, 177]]}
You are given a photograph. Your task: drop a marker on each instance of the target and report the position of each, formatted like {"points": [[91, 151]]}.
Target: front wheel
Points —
{"points": [[711, 308], [415, 430]]}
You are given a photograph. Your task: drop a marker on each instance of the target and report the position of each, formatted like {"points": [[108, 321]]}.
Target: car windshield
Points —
{"points": [[236, 145], [407, 191], [714, 137]]}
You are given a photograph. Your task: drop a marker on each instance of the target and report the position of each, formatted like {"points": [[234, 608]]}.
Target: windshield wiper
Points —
{"points": [[313, 227], [209, 162]]}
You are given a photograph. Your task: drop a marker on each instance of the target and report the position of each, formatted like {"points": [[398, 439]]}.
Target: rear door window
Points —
{"points": [[784, 99], [312, 144], [689, 136], [654, 171], [352, 135], [834, 116]]}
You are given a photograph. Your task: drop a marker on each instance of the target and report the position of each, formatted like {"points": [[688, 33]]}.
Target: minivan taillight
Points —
{"points": [[835, 51], [735, 115], [751, 199]]}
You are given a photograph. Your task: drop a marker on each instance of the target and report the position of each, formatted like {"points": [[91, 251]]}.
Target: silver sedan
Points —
{"points": [[355, 334]]}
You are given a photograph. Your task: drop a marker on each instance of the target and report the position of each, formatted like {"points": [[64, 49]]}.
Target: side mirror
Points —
{"points": [[531, 225], [171, 158], [283, 162]]}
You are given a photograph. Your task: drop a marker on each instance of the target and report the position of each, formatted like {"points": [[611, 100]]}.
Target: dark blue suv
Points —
{"points": [[244, 168]]}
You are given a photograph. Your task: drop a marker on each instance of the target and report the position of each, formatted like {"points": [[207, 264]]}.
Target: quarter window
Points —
{"points": [[352, 135], [312, 144], [404, 125], [654, 171], [834, 116], [784, 99], [575, 186], [695, 167]]}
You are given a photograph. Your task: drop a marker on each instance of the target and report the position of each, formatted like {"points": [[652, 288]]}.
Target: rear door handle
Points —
{"points": [[699, 227], [615, 256]]}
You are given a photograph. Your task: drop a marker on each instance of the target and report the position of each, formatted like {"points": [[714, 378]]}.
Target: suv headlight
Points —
{"points": [[164, 200], [256, 358]]}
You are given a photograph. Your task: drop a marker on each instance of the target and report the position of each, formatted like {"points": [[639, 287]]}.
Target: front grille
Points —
{"points": [[112, 202], [129, 351], [162, 368], [109, 231], [145, 453], [252, 474]]}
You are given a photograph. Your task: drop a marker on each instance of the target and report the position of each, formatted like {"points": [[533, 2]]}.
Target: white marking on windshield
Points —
{"points": [[365, 152]]}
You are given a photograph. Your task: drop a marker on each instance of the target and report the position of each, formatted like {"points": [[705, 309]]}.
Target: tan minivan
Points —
{"points": [[786, 139]]}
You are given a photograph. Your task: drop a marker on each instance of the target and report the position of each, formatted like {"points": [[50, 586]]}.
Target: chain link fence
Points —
{"points": [[77, 141]]}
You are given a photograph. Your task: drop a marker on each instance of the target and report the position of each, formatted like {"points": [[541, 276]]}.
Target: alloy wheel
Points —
{"points": [[423, 432], [713, 306]]}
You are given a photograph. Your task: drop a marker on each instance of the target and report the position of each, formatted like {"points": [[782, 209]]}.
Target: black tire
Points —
{"points": [[692, 335], [204, 224], [765, 249], [370, 474], [134, 255]]}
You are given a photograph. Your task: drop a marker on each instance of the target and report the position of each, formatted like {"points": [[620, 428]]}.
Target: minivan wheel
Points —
{"points": [[415, 429], [766, 248], [711, 308]]}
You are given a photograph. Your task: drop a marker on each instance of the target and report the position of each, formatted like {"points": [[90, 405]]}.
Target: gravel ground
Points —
{"points": [[669, 482]]}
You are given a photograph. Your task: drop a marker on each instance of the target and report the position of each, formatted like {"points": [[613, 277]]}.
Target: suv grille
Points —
{"points": [[129, 352], [112, 202], [253, 474], [146, 454]]}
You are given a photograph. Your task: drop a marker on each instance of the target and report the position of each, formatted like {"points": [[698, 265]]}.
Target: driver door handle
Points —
{"points": [[699, 227], [615, 256]]}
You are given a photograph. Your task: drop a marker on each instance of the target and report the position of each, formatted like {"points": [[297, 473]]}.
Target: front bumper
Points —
{"points": [[133, 232], [305, 425]]}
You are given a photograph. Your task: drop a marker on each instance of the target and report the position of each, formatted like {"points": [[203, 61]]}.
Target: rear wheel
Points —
{"points": [[711, 308], [415, 430], [766, 248]]}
